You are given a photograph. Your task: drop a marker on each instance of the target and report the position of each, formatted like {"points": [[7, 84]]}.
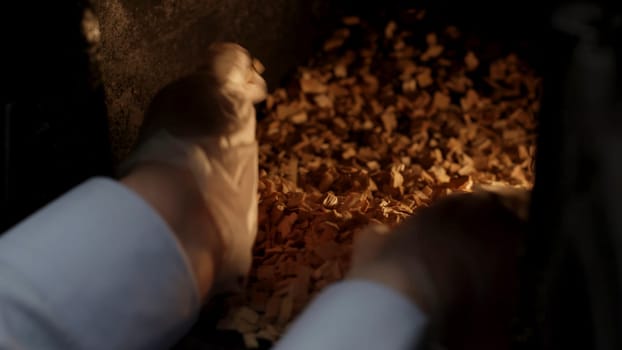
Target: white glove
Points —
{"points": [[205, 123]]}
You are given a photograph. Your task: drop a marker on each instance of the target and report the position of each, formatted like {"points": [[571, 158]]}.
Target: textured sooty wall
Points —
{"points": [[147, 43]]}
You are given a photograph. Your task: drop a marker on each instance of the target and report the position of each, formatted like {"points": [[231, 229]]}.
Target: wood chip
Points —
{"points": [[337, 40], [351, 20], [299, 118], [265, 334], [425, 176], [323, 101], [431, 39], [433, 51], [371, 130], [427, 191], [519, 174], [523, 153], [341, 71], [389, 30], [440, 174], [246, 314], [409, 86], [470, 100], [397, 180], [389, 120], [441, 101], [312, 86], [348, 153], [471, 61], [250, 341], [461, 183], [285, 110], [424, 79], [330, 201]]}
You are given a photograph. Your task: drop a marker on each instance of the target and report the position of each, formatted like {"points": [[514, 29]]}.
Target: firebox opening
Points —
{"points": [[386, 117]]}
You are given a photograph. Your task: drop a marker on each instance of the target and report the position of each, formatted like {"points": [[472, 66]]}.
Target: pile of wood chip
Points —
{"points": [[379, 124]]}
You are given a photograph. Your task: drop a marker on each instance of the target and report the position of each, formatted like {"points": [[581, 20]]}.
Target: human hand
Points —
{"points": [[217, 100], [457, 260], [198, 139]]}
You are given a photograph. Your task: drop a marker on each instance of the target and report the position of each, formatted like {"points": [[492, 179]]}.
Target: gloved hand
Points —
{"points": [[204, 124], [457, 260]]}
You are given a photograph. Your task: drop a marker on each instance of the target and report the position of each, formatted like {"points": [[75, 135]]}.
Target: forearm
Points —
{"points": [[357, 314], [174, 195], [96, 269]]}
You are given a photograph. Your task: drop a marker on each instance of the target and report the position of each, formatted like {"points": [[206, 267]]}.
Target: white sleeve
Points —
{"points": [[357, 314], [95, 269]]}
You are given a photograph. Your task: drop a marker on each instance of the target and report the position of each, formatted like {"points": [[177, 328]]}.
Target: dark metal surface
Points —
{"points": [[52, 112], [576, 246]]}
